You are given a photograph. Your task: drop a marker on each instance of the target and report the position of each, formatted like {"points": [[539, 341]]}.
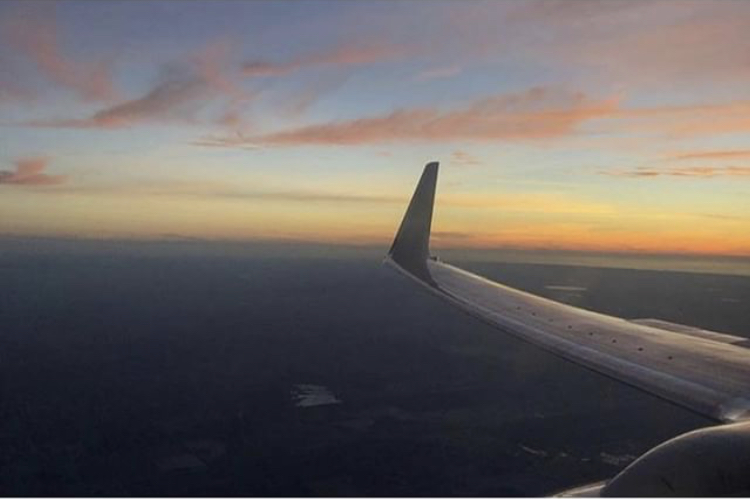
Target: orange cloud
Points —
{"points": [[572, 238], [347, 55], [537, 113], [36, 37], [712, 155], [696, 171], [30, 171], [463, 158], [688, 120]]}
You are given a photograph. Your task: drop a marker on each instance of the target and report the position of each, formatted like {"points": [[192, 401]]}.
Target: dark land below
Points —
{"points": [[184, 373]]}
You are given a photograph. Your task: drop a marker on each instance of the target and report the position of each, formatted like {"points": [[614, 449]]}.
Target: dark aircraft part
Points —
{"points": [[707, 462], [411, 247]]}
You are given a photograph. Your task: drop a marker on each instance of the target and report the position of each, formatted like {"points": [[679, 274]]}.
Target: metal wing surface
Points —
{"points": [[704, 371]]}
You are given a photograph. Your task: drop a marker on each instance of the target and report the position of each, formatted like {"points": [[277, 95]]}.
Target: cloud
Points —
{"points": [[742, 153], [709, 45], [688, 120], [607, 44], [696, 171], [212, 66], [236, 140], [451, 235], [182, 91], [30, 171], [209, 76], [528, 202], [347, 55], [225, 190], [463, 158], [721, 216], [571, 13], [310, 197], [538, 113], [161, 103], [35, 37], [632, 42]]}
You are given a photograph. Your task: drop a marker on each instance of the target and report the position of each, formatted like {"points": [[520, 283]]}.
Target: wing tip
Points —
{"points": [[410, 248]]}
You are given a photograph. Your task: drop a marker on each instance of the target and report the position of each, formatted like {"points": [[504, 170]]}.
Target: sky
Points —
{"points": [[567, 125]]}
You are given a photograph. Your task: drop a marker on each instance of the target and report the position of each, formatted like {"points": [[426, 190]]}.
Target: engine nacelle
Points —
{"points": [[711, 461]]}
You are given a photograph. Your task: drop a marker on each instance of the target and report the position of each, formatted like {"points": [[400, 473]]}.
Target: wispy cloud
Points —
{"points": [[447, 235], [312, 197], [463, 158], [235, 140], [721, 216], [163, 102], [538, 113], [710, 43], [509, 202], [687, 120], [35, 36], [345, 55], [656, 43], [30, 171], [183, 90], [224, 190], [741, 153], [189, 86], [695, 171], [529, 202]]}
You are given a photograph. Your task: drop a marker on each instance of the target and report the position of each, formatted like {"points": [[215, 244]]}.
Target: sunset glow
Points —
{"points": [[582, 125]]}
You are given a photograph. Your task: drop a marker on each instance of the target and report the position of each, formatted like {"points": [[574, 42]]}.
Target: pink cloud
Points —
{"points": [[35, 37], [695, 171], [213, 65], [688, 120], [537, 113], [30, 171], [629, 43], [649, 43], [177, 98]]}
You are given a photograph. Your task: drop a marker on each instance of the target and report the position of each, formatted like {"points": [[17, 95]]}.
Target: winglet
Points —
{"points": [[411, 247]]}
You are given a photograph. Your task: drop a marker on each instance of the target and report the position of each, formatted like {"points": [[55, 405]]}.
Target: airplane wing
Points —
{"points": [[704, 371]]}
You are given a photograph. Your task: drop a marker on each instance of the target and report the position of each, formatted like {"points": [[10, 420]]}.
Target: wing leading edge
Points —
{"points": [[698, 372]]}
